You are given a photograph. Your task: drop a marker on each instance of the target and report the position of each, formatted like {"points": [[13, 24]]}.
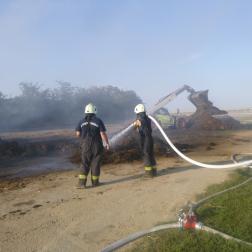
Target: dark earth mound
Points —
{"points": [[9, 150], [127, 149], [203, 119]]}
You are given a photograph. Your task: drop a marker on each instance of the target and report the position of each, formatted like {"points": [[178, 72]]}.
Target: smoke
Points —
{"points": [[64, 107]]}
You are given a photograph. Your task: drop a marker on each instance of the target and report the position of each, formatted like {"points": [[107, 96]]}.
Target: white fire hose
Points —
{"points": [[243, 163], [138, 235], [198, 225]]}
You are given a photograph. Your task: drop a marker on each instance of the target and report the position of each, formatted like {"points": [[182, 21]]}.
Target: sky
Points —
{"points": [[151, 47]]}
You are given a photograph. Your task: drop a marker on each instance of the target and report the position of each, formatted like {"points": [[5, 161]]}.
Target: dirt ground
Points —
{"points": [[44, 212]]}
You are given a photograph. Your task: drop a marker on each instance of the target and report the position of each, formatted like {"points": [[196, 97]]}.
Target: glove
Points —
{"points": [[134, 123]]}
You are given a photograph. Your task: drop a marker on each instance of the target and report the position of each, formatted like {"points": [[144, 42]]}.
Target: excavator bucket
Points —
{"points": [[199, 99]]}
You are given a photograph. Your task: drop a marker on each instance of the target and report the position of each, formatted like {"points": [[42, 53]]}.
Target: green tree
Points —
{"points": [[65, 105], [64, 92], [29, 90]]}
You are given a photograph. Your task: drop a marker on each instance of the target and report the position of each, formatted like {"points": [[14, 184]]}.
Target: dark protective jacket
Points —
{"points": [[91, 128], [145, 128], [146, 141]]}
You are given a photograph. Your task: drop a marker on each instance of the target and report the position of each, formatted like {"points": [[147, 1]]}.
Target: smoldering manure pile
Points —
{"points": [[203, 119], [9, 150], [127, 147], [126, 150]]}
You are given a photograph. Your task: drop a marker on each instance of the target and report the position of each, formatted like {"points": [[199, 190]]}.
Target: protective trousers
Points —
{"points": [[147, 152], [91, 154]]}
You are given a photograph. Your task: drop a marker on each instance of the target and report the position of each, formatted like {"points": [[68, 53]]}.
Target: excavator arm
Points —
{"points": [[197, 98]]}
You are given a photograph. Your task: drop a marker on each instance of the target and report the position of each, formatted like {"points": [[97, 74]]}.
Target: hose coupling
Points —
{"points": [[199, 225], [181, 213], [190, 221], [186, 221], [180, 224]]}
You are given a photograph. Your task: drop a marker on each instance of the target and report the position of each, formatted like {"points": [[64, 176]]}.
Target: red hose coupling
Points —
{"points": [[190, 221]]}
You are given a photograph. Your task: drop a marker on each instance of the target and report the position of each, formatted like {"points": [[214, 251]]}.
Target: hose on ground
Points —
{"points": [[175, 225], [135, 236], [138, 235], [236, 161], [211, 196], [211, 230], [243, 163]]}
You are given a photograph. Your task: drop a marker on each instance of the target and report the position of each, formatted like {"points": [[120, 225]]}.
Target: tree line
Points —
{"points": [[64, 105]]}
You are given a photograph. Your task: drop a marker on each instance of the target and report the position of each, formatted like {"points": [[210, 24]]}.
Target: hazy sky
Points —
{"points": [[151, 47]]}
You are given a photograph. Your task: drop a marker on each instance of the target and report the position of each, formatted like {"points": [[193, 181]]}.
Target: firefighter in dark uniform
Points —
{"points": [[143, 124], [92, 131]]}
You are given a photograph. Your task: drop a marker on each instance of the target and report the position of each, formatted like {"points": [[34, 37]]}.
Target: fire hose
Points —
{"points": [[190, 220], [243, 163], [138, 235]]}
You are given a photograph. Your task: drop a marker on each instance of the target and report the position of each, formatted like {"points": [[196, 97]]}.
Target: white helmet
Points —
{"points": [[139, 108], [90, 108]]}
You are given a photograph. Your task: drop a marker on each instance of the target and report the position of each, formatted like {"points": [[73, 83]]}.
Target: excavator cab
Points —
{"points": [[164, 118], [199, 99], [162, 111]]}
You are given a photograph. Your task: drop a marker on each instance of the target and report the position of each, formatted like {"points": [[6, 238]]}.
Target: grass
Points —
{"points": [[176, 240], [229, 213]]}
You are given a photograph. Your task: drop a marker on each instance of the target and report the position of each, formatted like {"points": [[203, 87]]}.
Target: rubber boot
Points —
{"points": [[95, 182], [81, 184], [154, 172], [147, 174]]}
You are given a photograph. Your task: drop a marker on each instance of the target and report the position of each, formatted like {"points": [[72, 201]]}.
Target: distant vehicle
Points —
{"points": [[162, 115], [166, 120]]}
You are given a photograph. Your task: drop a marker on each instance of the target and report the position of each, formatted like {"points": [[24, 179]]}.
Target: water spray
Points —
{"points": [[114, 138]]}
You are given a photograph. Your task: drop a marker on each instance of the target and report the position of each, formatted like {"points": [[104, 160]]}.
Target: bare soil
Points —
{"points": [[44, 212]]}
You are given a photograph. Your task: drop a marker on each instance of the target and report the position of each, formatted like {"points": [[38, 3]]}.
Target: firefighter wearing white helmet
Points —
{"points": [[92, 131], [90, 109], [139, 108], [143, 124]]}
